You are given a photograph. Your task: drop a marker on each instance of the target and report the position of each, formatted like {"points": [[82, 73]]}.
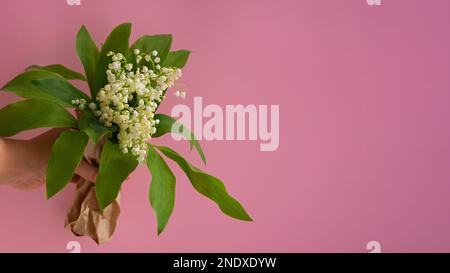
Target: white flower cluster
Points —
{"points": [[81, 103], [180, 94], [131, 97]]}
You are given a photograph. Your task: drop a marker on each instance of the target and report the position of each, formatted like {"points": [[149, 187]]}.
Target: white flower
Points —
{"points": [[180, 94], [119, 56], [136, 51], [130, 99], [114, 66]]}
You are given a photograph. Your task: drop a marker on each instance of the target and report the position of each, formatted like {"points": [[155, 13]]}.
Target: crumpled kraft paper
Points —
{"points": [[84, 217]]}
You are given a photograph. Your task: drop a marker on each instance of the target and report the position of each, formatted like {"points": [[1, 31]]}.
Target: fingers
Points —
{"points": [[87, 171]]}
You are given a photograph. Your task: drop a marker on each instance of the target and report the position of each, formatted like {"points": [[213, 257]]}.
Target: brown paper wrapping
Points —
{"points": [[84, 217]]}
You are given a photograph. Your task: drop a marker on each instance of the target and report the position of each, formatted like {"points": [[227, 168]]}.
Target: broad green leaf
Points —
{"points": [[67, 153], [146, 44], [31, 114], [92, 127], [168, 124], [162, 188], [208, 186], [88, 53], [23, 86], [114, 169], [60, 89], [60, 69], [177, 58], [117, 42]]}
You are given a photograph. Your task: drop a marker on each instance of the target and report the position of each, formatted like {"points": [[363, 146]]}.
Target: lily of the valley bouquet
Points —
{"points": [[113, 128]]}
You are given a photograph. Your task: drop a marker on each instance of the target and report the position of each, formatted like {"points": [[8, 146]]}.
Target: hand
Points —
{"points": [[23, 163]]}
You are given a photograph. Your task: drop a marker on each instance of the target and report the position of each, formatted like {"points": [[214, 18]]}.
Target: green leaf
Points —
{"points": [[117, 42], [60, 69], [60, 89], [67, 153], [168, 124], [114, 169], [208, 186], [23, 86], [92, 127], [146, 44], [31, 114], [88, 53], [177, 58], [162, 188]]}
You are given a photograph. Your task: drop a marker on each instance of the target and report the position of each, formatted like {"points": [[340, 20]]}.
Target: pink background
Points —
{"points": [[364, 94]]}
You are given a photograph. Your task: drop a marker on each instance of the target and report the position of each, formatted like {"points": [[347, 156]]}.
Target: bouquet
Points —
{"points": [[113, 128]]}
